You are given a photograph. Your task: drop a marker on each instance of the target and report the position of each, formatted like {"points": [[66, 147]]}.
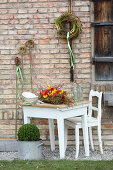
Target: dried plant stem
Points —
{"points": [[70, 6]]}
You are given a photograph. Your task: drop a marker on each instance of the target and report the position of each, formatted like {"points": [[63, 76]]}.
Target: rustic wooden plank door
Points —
{"points": [[103, 39]]}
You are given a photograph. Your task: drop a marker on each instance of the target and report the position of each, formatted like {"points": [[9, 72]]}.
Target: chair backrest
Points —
{"points": [[91, 107]]}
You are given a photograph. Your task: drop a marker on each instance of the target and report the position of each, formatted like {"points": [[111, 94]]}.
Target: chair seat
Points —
{"points": [[78, 120]]}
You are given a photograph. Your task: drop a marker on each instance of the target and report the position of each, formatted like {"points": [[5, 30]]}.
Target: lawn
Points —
{"points": [[56, 165]]}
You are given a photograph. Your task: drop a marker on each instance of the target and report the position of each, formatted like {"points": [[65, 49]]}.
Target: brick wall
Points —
{"points": [[21, 20]]}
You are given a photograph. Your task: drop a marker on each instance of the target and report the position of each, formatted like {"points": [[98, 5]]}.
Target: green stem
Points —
{"points": [[22, 74], [31, 70], [16, 108]]}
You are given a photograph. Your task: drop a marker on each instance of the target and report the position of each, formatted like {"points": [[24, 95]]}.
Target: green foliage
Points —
{"points": [[28, 132]]}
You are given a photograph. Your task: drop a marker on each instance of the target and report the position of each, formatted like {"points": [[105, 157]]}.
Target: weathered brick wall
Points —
{"points": [[21, 20]]}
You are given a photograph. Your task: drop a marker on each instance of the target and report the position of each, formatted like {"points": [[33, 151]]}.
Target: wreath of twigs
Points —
{"points": [[22, 50], [29, 44], [68, 18]]}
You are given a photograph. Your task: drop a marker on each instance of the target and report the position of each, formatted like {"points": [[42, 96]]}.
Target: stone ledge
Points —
{"points": [[9, 145]]}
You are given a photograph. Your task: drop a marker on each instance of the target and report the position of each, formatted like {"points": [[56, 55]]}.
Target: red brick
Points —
{"points": [[43, 41], [45, 121], [108, 126]]}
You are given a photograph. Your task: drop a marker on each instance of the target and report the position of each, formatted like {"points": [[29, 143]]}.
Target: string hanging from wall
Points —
{"points": [[75, 30], [20, 72], [18, 77], [30, 44]]}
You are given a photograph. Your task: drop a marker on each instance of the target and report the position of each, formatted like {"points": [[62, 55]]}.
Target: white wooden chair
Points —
{"points": [[76, 123]]}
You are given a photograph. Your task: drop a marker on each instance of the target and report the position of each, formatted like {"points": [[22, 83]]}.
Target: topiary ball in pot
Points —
{"points": [[29, 142], [28, 132]]}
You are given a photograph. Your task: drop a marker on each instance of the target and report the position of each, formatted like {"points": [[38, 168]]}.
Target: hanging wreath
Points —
{"points": [[68, 18], [29, 44], [22, 50]]}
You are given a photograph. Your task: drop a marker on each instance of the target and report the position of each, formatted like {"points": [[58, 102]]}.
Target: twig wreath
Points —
{"points": [[22, 50], [74, 32], [73, 20], [29, 44]]}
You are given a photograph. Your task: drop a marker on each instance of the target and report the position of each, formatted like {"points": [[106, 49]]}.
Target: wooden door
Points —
{"points": [[103, 39]]}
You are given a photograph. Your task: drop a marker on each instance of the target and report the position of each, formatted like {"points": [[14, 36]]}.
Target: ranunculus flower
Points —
{"points": [[62, 97], [44, 93], [57, 91], [54, 93]]}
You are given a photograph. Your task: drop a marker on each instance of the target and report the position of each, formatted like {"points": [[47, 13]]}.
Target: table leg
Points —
{"points": [[26, 118], [85, 133], [51, 132], [60, 123]]}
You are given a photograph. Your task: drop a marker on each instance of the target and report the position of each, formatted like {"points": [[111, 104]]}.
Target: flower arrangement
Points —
{"points": [[53, 95]]}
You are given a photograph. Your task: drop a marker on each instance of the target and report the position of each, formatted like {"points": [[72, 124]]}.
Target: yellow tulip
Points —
{"points": [[49, 86], [45, 96]]}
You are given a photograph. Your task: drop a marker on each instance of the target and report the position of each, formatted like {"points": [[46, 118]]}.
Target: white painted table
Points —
{"points": [[59, 112]]}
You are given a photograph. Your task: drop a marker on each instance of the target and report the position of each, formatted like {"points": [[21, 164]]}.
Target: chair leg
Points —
{"points": [[99, 138], [91, 138], [65, 136], [77, 140]]}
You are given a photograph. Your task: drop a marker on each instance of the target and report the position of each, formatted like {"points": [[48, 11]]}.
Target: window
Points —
{"points": [[103, 39]]}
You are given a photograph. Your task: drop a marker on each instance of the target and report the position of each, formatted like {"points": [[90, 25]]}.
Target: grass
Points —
{"points": [[56, 165]]}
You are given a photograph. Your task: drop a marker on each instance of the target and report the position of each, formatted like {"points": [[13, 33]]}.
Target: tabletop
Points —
{"points": [[55, 106], [59, 112]]}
